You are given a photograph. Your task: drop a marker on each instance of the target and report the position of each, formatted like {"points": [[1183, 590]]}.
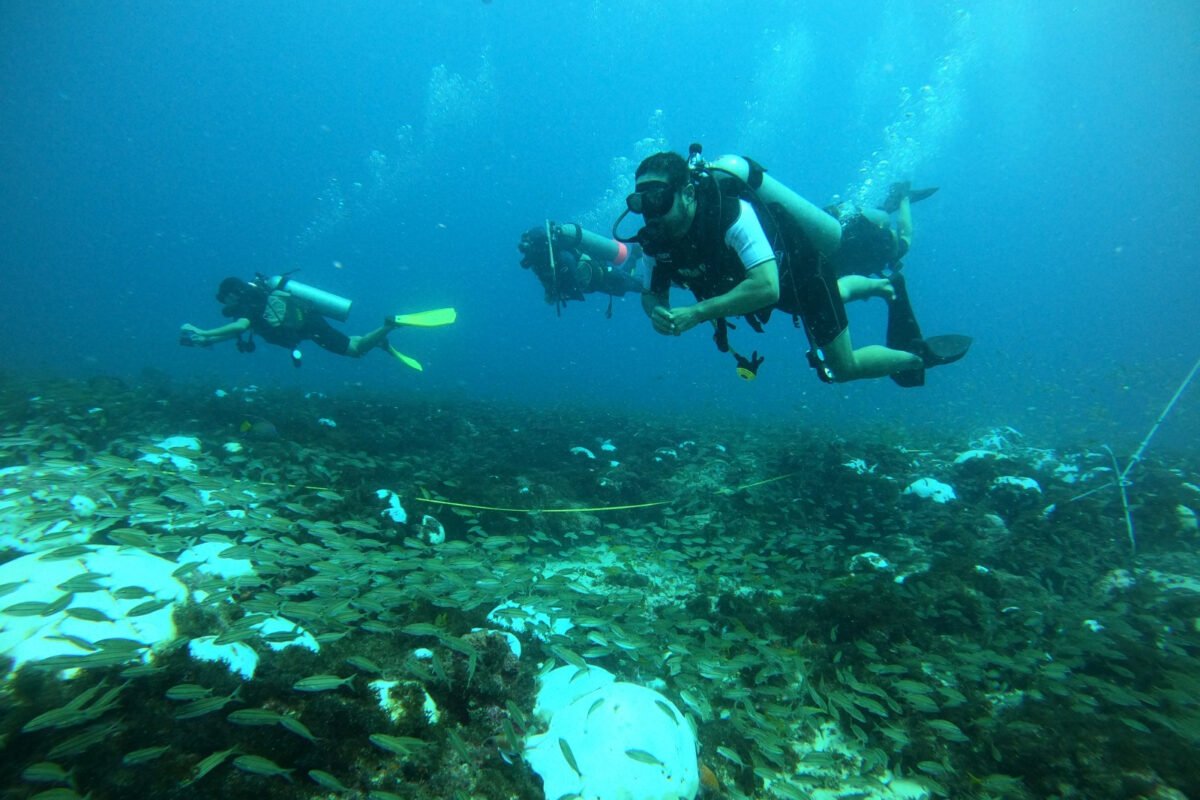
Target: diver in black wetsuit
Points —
{"points": [[577, 262], [285, 312], [870, 245], [280, 317]]}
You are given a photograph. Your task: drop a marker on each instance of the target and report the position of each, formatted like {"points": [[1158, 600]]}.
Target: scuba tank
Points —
{"points": [[822, 229], [599, 247], [324, 303]]}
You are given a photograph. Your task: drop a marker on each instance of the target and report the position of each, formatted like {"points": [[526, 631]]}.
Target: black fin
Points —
{"points": [[903, 333], [909, 378], [946, 349], [901, 190], [917, 195]]}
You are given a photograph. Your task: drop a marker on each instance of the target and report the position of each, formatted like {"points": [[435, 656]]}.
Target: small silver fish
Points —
{"points": [[327, 781], [258, 765], [322, 683], [45, 772]]}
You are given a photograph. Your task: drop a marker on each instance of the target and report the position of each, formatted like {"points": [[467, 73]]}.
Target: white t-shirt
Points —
{"points": [[746, 237]]}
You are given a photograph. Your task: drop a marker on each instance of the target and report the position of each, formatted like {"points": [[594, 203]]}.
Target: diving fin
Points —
{"points": [[422, 319], [946, 349], [917, 195], [903, 333], [904, 189], [910, 378], [407, 361], [427, 319], [902, 329]]}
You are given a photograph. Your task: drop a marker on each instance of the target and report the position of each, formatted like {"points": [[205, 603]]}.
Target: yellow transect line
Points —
{"points": [[435, 501], [477, 507], [760, 483], [510, 510]]}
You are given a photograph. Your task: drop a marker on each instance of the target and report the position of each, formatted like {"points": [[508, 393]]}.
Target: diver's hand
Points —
{"points": [[190, 336], [686, 318], [673, 322], [661, 320]]}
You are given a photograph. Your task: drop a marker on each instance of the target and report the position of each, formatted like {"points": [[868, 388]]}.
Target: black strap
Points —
{"points": [[816, 357], [754, 178], [721, 335]]}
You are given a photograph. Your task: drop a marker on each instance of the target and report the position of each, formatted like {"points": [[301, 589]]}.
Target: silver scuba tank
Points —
{"points": [[602, 247], [324, 303], [824, 231]]}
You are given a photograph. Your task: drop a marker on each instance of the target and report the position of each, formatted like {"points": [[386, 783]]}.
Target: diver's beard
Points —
{"points": [[653, 236], [654, 239]]}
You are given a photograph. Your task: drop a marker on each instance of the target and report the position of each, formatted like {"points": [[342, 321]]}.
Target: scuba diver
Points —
{"points": [[571, 262], [870, 246], [285, 312], [745, 245]]}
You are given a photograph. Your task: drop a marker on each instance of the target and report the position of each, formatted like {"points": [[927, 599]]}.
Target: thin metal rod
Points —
{"points": [[1121, 484], [1137, 456]]}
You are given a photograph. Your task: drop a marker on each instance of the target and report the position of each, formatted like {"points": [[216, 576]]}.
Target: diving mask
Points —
{"points": [[652, 199]]}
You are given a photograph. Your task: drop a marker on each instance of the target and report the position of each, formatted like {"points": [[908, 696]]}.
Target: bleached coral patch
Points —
{"points": [[113, 593]]}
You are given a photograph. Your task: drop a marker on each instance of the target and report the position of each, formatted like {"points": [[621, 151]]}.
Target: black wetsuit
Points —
{"points": [[575, 274], [606, 278], [284, 320], [867, 248]]}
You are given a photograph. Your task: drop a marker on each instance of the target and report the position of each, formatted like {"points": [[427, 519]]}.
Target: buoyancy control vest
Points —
{"points": [[704, 264], [283, 319]]}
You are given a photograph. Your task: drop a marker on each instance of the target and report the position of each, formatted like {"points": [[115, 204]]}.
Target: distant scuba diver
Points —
{"points": [[285, 312], [870, 246], [571, 262], [745, 245]]}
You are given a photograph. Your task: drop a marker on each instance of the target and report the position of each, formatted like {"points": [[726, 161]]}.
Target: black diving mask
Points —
{"points": [[652, 199], [233, 305]]}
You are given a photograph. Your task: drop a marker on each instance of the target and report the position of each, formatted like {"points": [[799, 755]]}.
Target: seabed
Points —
{"points": [[839, 618]]}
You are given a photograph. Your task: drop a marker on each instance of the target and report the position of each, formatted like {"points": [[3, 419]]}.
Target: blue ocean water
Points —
{"points": [[394, 152]]}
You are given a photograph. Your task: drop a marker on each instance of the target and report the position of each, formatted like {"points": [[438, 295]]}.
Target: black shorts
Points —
{"points": [[327, 337], [813, 295], [314, 327]]}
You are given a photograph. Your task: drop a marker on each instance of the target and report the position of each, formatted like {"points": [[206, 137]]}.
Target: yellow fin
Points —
{"points": [[405, 360], [428, 319]]}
